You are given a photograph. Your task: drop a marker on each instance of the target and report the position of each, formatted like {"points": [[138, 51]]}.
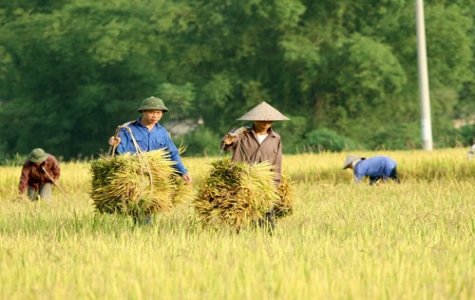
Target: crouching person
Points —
{"points": [[39, 172], [376, 168]]}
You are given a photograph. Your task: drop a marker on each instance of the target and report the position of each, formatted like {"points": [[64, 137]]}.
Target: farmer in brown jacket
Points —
{"points": [[258, 144], [40, 171]]}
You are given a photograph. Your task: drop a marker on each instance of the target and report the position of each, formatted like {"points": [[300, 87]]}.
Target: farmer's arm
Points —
{"points": [[358, 175], [228, 142], [175, 156], [55, 169], [25, 175], [123, 141], [277, 163]]}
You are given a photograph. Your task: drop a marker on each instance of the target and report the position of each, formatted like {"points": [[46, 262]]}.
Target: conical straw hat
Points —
{"points": [[350, 159], [263, 112]]}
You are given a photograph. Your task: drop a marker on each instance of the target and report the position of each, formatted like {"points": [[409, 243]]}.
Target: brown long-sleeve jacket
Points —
{"points": [[246, 148], [32, 175]]}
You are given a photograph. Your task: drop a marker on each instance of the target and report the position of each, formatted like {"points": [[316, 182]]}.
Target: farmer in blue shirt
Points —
{"points": [[149, 136], [376, 168]]}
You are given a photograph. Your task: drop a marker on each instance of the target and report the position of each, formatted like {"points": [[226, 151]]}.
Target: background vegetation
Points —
{"points": [[412, 240], [344, 71]]}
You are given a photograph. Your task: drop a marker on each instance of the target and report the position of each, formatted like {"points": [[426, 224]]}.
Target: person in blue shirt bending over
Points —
{"points": [[149, 135], [376, 168]]}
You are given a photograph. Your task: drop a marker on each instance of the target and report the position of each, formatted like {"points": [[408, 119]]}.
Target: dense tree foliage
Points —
{"points": [[72, 70]]}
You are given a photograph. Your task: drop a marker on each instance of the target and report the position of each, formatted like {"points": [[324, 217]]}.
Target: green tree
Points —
{"points": [[71, 71]]}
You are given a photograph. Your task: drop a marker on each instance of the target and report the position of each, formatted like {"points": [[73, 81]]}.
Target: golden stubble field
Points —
{"points": [[413, 240]]}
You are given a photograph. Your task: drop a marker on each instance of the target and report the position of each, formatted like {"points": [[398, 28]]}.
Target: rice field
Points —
{"points": [[413, 240]]}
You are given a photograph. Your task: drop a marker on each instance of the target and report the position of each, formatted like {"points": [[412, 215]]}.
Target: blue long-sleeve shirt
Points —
{"points": [[155, 139], [377, 166]]}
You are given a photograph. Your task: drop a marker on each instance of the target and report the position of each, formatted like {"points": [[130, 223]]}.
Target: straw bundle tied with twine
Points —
{"points": [[137, 184], [237, 194]]}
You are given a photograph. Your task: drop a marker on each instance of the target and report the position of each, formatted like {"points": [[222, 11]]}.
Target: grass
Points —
{"points": [[412, 240]]}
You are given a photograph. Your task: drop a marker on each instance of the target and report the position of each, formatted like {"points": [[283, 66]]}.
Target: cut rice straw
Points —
{"points": [[236, 194]]}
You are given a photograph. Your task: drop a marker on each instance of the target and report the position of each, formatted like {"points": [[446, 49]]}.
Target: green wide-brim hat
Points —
{"points": [[153, 103], [350, 159], [263, 112], [37, 155]]}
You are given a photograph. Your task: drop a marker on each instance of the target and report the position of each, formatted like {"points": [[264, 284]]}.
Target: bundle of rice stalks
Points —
{"points": [[134, 184], [236, 194], [181, 192], [284, 206]]}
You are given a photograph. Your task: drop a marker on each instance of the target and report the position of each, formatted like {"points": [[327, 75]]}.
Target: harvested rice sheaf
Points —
{"points": [[181, 192], [236, 194], [136, 184], [284, 206]]}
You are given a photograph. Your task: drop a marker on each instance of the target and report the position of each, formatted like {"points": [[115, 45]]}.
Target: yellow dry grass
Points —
{"points": [[412, 240]]}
